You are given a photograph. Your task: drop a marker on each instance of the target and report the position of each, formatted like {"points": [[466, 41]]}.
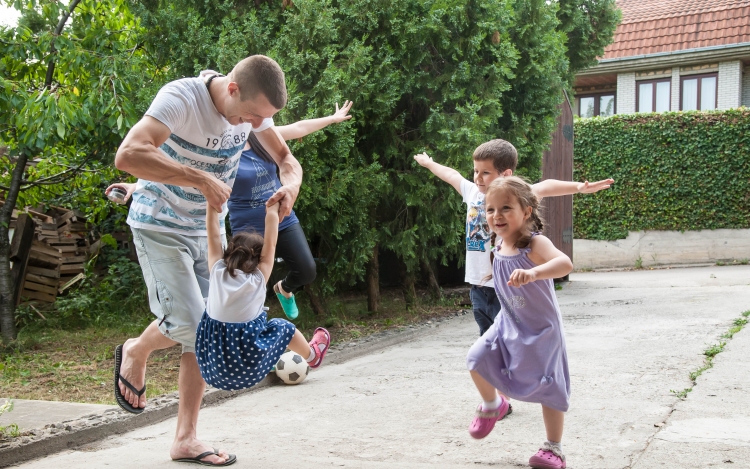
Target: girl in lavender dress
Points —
{"points": [[522, 356]]}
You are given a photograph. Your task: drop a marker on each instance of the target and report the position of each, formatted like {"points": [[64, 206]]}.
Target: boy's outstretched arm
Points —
{"points": [[305, 127], [553, 187], [449, 175]]}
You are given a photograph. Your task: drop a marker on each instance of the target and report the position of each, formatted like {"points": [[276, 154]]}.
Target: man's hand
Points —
{"points": [[128, 187], [591, 187], [215, 192], [423, 159], [342, 114], [521, 277], [285, 197]]}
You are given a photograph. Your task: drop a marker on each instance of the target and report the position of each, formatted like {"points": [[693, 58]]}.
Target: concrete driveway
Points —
{"points": [[632, 337]]}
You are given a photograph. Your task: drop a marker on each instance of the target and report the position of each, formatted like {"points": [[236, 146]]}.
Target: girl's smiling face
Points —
{"points": [[505, 215]]}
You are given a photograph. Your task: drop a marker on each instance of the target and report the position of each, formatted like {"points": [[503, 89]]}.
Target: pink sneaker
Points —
{"points": [[484, 422], [548, 457], [321, 340]]}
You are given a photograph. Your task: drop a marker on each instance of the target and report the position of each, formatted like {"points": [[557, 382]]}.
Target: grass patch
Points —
{"points": [[75, 365], [711, 352]]}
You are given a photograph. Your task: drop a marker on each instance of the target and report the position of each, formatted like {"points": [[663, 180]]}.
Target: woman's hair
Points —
{"points": [[243, 252], [521, 190]]}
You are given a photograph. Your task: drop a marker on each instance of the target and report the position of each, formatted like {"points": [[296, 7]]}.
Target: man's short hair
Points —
{"points": [[501, 152], [259, 74]]}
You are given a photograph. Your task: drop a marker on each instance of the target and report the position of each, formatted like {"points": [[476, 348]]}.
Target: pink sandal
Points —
{"points": [[548, 457], [320, 337], [484, 422]]}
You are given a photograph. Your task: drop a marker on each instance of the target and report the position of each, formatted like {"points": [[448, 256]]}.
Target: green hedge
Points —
{"points": [[673, 171]]}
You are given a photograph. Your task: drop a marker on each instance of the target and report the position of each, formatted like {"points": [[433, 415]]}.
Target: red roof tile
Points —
{"points": [[653, 26]]}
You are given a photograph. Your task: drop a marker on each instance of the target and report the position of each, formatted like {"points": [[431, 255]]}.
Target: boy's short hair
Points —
{"points": [[502, 153], [260, 74]]}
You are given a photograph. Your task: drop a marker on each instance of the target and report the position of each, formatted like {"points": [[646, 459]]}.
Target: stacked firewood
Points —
{"points": [[61, 246]]}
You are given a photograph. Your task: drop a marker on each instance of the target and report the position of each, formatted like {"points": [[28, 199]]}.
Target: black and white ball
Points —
{"points": [[292, 368]]}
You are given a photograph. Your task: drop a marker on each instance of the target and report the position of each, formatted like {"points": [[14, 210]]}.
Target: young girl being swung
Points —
{"points": [[522, 356], [236, 344]]}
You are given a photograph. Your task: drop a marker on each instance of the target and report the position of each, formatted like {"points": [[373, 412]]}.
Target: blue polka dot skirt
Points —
{"points": [[237, 355]]}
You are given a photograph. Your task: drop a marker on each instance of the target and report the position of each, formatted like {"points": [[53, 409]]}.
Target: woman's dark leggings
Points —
{"points": [[292, 247]]}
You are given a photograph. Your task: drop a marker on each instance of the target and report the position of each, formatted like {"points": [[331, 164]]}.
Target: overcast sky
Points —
{"points": [[8, 16]]}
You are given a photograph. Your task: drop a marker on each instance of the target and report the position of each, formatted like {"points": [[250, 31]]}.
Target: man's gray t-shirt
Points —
{"points": [[202, 139]]}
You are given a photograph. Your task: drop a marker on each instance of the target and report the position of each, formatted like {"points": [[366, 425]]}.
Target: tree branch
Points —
{"points": [[56, 178], [53, 51]]}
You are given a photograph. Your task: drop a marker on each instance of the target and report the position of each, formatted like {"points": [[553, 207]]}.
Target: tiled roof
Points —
{"points": [[653, 26]]}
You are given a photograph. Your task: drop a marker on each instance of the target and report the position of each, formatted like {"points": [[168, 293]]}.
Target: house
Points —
{"points": [[671, 55]]}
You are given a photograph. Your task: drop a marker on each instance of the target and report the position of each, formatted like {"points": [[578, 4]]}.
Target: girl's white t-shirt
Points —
{"points": [[477, 239], [238, 299]]}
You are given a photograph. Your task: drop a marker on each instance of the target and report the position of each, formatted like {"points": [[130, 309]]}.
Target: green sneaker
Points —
{"points": [[289, 305]]}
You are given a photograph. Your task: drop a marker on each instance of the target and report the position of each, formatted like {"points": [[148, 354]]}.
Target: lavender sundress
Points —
{"points": [[523, 353]]}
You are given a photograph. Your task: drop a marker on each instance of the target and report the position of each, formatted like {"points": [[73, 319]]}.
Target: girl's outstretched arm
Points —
{"points": [[550, 261], [268, 252], [213, 234], [306, 127]]}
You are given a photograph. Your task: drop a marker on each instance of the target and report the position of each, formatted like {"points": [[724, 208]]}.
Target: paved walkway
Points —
{"points": [[632, 337]]}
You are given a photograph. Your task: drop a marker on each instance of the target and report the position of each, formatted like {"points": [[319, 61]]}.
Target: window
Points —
{"points": [[699, 92], [601, 104], [653, 95]]}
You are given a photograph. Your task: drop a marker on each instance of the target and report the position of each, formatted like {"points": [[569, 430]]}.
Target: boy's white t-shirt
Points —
{"points": [[478, 247], [238, 299], [200, 138]]}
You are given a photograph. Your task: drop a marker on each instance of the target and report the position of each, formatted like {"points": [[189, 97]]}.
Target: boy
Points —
{"points": [[491, 160]]}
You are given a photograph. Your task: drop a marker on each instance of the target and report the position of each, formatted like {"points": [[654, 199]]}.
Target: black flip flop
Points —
{"points": [[198, 459], [125, 405]]}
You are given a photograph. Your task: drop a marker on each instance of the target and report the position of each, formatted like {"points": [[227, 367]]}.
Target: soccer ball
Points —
{"points": [[292, 368]]}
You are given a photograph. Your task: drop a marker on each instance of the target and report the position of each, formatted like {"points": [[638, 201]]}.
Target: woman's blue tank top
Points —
{"points": [[256, 182]]}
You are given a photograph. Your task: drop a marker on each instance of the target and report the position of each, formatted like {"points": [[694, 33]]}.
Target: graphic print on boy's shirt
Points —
{"points": [[477, 229], [477, 236]]}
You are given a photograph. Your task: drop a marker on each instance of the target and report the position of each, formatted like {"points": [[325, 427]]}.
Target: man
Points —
{"points": [[185, 152]]}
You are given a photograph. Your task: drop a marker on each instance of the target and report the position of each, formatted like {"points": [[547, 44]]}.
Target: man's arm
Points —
{"points": [[139, 155], [553, 187], [290, 171], [449, 175], [306, 127]]}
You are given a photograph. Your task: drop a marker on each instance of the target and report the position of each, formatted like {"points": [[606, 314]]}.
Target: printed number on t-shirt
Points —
{"points": [[237, 140]]}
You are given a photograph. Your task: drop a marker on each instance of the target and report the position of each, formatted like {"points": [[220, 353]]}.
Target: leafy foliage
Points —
{"points": [[674, 171], [439, 75], [589, 26], [80, 119]]}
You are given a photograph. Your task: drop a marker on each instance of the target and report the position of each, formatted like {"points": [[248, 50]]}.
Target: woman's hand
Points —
{"points": [[128, 187], [342, 114], [521, 277]]}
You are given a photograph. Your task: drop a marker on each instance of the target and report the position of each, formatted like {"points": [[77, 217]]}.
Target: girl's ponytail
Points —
{"points": [[243, 253]]}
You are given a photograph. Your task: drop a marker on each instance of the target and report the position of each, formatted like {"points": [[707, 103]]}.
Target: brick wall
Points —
{"points": [[746, 88], [729, 89], [675, 91], [625, 93]]}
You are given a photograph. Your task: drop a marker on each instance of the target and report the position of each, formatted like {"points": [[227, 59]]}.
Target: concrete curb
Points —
{"points": [[90, 428]]}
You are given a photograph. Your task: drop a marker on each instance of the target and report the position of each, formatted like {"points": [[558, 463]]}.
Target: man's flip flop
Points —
{"points": [[125, 405], [199, 459]]}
